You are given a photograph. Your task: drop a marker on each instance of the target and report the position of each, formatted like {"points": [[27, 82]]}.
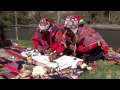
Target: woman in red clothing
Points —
{"points": [[89, 38], [44, 37], [40, 39]]}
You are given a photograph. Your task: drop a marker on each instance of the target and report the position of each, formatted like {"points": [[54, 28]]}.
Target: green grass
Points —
{"points": [[106, 70], [25, 43]]}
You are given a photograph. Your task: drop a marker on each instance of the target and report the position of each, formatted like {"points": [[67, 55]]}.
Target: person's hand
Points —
{"points": [[53, 57], [40, 49], [71, 47], [48, 51]]}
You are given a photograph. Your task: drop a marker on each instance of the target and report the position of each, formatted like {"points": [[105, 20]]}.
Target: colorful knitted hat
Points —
{"points": [[71, 22], [44, 24]]}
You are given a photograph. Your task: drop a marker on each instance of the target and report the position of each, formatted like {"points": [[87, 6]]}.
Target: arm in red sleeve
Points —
{"points": [[81, 48], [84, 49], [35, 43], [106, 49], [54, 46], [60, 49]]}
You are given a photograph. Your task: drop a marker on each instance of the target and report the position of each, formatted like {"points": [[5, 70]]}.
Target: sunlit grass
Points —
{"points": [[25, 43]]}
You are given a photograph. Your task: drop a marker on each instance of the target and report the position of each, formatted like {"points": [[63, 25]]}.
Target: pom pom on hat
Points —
{"points": [[80, 20]]}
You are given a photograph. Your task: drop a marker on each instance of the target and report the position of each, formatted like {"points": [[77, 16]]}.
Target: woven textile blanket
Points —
{"points": [[10, 69], [14, 51]]}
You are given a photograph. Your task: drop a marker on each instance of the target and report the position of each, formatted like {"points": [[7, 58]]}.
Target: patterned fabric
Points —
{"points": [[18, 47], [4, 60], [55, 28], [63, 74], [88, 36], [71, 22], [44, 41], [114, 57], [4, 70], [18, 55], [68, 73], [10, 75], [15, 51], [39, 38], [11, 69]]}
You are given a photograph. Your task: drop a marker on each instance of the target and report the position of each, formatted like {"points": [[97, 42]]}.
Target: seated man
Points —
{"points": [[40, 39]]}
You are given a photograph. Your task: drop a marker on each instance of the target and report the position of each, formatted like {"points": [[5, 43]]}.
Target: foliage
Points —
{"points": [[8, 18]]}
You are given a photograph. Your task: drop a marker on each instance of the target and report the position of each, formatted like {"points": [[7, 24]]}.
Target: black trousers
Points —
{"points": [[92, 56]]}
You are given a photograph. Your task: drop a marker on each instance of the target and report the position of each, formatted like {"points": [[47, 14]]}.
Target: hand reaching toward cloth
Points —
{"points": [[49, 51], [53, 57]]}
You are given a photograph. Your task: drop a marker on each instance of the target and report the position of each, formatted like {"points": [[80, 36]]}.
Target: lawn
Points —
{"points": [[25, 43], [106, 70]]}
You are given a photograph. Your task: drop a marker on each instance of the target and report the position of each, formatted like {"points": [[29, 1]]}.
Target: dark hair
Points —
{"points": [[69, 32]]}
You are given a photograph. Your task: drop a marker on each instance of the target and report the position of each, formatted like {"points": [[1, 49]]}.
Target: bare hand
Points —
{"points": [[53, 57], [40, 49], [48, 51], [71, 47]]}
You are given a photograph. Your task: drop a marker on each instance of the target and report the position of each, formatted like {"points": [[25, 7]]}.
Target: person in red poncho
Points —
{"points": [[44, 37], [40, 39], [91, 43], [89, 38]]}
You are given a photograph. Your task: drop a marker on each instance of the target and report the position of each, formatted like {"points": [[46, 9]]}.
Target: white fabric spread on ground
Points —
{"points": [[67, 61], [45, 60], [62, 62]]}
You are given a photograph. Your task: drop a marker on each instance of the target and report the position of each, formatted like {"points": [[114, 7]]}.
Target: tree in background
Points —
{"points": [[93, 15]]}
